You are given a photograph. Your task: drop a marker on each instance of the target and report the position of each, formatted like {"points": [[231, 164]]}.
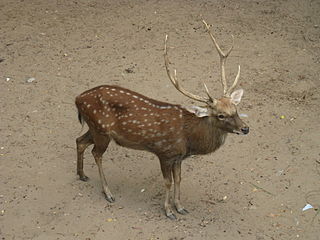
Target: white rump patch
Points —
{"points": [[198, 111]]}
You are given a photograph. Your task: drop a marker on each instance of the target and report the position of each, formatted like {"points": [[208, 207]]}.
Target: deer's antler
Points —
{"points": [[175, 82], [223, 59]]}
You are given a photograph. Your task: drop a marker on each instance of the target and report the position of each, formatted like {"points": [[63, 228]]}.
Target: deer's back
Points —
{"points": [[134, 120]]}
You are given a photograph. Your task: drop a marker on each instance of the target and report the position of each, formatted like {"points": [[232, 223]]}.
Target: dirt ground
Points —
{"points": [[254, 187]]}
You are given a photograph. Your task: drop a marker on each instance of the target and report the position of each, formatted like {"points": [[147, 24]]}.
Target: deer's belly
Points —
{"points": [[127, 142]]}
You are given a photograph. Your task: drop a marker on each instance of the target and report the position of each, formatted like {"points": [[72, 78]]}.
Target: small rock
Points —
{"points": [[30, 80]]}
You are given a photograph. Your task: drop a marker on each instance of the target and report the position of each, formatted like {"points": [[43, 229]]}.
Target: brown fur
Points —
{"points": [[136, 121]]}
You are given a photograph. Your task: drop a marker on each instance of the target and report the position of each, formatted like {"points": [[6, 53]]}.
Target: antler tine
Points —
{"points": [[223, 58], [175, 82], [234, 83], [208, 94]]}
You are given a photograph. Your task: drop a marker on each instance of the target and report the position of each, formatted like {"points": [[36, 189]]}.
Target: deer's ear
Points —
{"points": [[236, 96], [198, 111]]}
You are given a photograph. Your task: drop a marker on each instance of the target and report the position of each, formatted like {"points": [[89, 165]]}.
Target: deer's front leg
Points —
{"points": [[166, 168], [176, 170]]}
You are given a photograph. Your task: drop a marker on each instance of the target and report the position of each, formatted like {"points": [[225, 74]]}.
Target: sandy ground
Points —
{"points": [[254, 187]]}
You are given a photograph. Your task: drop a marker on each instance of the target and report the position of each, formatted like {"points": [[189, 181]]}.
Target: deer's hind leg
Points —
{"points": [[101, 143], [82, 143]]}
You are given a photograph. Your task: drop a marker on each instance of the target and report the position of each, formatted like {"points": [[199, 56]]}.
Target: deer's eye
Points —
{"points": [[221, 117]]}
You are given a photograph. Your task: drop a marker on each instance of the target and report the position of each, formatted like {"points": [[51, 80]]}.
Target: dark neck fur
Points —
{"points": [[202, 135]]}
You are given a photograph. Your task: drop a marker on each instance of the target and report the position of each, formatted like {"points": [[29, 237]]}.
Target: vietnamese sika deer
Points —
{"points": [[170, 131]]}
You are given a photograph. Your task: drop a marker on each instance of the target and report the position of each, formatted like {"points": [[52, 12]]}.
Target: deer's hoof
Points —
{"points": [[110, 198], [171, 216], [84, 178], [182, 211]]}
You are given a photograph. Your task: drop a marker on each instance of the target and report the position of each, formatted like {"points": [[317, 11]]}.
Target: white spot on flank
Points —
{"points": [[112, 89], [121, 91], [112, 124], [88, 105], [124, 123], [103, 126], [99, 121], [94, 111], [135, 96], [128, 93]]}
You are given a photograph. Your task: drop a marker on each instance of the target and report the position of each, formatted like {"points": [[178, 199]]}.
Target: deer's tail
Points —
{"points": [[81, 120]]}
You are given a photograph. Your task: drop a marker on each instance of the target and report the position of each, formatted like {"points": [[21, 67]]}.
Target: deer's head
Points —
{"points": [[221, 111]]}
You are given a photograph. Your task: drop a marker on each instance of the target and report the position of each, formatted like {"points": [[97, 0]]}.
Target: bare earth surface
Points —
{"points": [[254, 187]]}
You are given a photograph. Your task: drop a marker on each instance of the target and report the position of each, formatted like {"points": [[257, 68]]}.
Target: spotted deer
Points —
{"points": [[170, 131]]}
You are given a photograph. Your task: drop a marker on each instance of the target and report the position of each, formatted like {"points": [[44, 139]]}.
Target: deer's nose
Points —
{"points": [[245, 130]]}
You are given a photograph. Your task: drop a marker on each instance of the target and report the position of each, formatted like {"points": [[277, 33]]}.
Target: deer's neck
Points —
{"points": [[203, 135]]}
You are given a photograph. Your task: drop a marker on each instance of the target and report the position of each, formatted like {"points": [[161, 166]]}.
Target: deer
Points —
{"points": [[170, 131]]}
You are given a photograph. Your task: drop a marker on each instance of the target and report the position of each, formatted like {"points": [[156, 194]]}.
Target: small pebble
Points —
{"points": [[30, 80]]}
